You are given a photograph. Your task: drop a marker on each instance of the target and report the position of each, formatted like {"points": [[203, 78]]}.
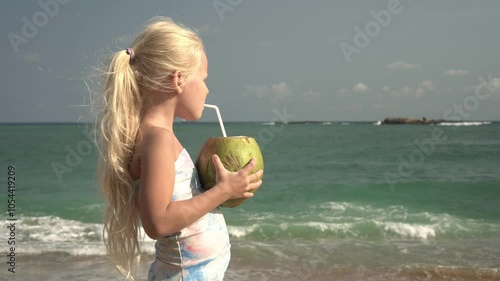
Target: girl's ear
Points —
{"points": [[177, 81]]}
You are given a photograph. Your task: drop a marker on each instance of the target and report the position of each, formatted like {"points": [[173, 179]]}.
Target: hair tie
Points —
{"points": [[130, 52]]}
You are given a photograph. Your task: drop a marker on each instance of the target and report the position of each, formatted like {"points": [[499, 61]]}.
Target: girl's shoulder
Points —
{"points": [[148, 135], [152, 142], [153, 133], [155, 142]]}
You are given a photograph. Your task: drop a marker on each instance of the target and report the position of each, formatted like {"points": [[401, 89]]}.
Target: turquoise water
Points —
{"points": [[351, 200]]}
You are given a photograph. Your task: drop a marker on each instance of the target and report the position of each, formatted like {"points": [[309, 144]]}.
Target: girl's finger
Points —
{"points": [[254, 186], [247, 195], [249, 167], [255, 176], [218, 164]]}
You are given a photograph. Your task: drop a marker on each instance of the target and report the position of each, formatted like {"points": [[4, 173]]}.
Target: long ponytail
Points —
{"points": [[118, 128]]}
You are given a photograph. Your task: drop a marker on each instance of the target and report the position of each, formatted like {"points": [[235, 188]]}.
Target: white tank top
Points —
{"points": [[201, 251]]}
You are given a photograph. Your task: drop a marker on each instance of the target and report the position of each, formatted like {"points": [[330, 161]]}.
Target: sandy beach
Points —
{"points": [[59, 267]]}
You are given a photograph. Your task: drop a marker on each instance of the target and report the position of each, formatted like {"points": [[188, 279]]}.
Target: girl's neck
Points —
{"points": [[158, 109]]}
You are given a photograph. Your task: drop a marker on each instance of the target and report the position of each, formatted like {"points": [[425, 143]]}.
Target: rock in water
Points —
{"points": [[234, 152]]}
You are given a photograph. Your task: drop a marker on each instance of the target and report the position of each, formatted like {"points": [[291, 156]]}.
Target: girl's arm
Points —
{"points": [[160, 216]]}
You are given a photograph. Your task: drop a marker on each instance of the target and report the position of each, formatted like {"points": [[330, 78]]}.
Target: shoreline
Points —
{"points": [[409, 120], [99, 268]]}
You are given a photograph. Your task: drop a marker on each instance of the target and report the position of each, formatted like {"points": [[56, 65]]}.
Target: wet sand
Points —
{"points": [[61, 266]]}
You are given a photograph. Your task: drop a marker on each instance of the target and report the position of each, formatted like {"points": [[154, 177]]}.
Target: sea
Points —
{"points": [[339, 201]]}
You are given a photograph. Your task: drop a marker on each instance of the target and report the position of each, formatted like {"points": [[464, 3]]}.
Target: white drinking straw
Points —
{"points": [[218, 116]]}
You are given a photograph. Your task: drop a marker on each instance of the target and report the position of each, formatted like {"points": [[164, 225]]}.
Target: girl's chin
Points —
{"points": [[192, 117]]}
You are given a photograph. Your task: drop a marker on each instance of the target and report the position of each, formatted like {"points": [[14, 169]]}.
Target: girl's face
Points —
{"points": [[190, 101]]}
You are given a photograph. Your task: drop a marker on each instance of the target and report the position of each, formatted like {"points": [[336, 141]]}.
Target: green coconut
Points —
{"points": [[234, 153]]}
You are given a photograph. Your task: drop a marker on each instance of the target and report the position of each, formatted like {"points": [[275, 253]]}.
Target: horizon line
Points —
{"points": [[216, 122]]}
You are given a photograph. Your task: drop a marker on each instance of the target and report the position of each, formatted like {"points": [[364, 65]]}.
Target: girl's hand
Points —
{"points": [[238, 184]]}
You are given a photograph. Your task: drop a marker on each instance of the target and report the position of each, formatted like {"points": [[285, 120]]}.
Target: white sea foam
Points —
{"points": [[55, 229], [353, 210], [463, 123], [347, 219], [336, 227], [394, 221], [329, 219], [409, 230], [54, 234], [88, 208], [241, 231], [335, 206], [284, 226], [76, 248]]}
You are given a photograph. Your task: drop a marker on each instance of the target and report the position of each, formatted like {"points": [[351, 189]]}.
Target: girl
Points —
{"points": [[145, 174]]}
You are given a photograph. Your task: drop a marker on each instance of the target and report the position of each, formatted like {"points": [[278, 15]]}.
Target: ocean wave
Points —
{"points": [[349, 220], [54, 234], [330, 220], [464, 123], [409, 230], [56, 229], [334, 227], [241, 231]]}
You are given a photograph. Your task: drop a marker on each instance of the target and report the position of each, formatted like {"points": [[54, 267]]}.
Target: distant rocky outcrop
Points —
{"points": [[413, 121]]}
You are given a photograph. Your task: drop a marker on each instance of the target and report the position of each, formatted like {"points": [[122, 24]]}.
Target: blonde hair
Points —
{"points": [[161, 48]]}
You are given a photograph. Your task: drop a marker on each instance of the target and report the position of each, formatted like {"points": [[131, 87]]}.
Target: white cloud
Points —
{"points": [[456, 72], [404, 92], [344, 92], [276, 92], [311, 95], [258, 90], [495, 83], [281, 90], [419, 92], [492, 86], [422, 89], [403, 65], [386, 88], [360, 88], [427, 85]]}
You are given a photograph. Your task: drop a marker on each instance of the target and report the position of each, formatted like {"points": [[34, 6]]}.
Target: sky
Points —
{"points": [[268, 60]]}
